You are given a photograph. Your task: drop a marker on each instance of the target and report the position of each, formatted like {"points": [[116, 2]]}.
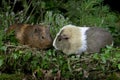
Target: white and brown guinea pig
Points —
{"points": [[76, 40]]}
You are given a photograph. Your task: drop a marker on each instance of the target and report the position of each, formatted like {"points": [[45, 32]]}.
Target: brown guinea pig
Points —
{"points": [[37, 36]]}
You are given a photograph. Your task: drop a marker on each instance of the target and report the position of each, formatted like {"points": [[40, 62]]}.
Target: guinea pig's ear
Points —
{"points": [[36, 29]]}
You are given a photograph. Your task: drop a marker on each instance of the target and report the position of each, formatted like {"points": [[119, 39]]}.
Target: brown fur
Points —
{"points": [[33, 35]]}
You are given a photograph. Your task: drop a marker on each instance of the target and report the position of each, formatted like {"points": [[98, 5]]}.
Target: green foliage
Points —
{"points": [[56, 21], [11, 77], [90, 13], [15, 58], [109, 57], [1, 61]]}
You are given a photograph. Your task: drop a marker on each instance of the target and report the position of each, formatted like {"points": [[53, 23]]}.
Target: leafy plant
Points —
{"points": [[56, 21]]}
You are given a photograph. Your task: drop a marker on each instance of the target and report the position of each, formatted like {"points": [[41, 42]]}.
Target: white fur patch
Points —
{"points": [[83, 40], [55, 41]]}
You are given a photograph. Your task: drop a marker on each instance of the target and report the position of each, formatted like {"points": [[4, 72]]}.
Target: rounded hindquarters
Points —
{"points": [[97, 38]]}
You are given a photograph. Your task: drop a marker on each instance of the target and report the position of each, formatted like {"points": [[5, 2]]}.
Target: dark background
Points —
{"points": [[114, 5]]}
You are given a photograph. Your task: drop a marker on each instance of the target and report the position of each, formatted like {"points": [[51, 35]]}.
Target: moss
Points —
{"points": [[114, 76], [11, 76]]}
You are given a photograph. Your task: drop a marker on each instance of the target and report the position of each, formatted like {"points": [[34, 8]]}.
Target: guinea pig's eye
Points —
{"points": [[42, 37], [65, 37]]}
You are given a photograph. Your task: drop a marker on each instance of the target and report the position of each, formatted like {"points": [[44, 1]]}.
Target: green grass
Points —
{"points": [[15, 59]]}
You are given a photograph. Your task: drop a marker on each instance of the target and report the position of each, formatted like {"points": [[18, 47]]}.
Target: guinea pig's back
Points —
{"points": [[97, 38], [20, 32], [18, 29]]}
